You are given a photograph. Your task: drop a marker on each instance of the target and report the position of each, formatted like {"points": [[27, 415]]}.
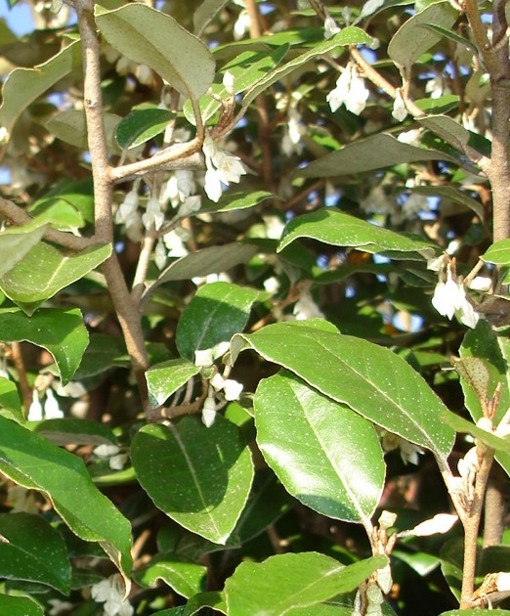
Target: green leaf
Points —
{"points": [[475, 612], [498, 253], [217, 312], [74, 431], [70, 126], [375, 152], [165, 379], [230, 201], [287, 581], [414, 37], [103, 353], [187, 579], [313, 444], [16, 242], [140, 125], [268, 501], [347, 36], [213, 600], [24, 85], [150, 37], [206, 261], [44, 271], [248, 68], [19, 606], [372, 380], [459, 424], [61, 332], [32, 550], [206, 12], [9, 399], [200, 477], [59, 213], [482, 344], [338, 229], [449, 193], [34, 463], [79, 194]]}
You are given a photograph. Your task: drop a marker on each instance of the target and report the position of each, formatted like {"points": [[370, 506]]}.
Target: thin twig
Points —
{"points": [[19, 363]]}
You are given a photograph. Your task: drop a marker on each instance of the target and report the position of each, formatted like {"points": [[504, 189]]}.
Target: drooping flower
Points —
{"points": [[350, 90], [153, 217], [35, 411], [222, 168], [209, 412], [399, 108], [110, 592], [330, 27], [51, 407], [450, 299]]}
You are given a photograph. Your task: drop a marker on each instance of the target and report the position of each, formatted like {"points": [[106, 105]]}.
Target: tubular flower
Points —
{"points": [[350, 90]]}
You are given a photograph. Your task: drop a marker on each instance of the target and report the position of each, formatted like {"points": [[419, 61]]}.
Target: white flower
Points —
{"points": [[272, 285], [105, 450], [35, 412], [175, 244], [222, 168], [502, 581], [110, 592], [51, 407], [232, 389], [209, 412], [4, 134], [229, 82], [117, 463], [450, 299], [440, 523], [204, 358], [330, 27], [127, 208], [480, 283], [189, 206], [179, 187], [350, 90], [153, 217], [412, 137], [160, 255], [305, 308], [436, 87], [242, 25], [399, 108]]}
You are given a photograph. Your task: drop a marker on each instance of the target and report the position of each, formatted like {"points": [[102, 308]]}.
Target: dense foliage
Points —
{"points": [[254, 313]]}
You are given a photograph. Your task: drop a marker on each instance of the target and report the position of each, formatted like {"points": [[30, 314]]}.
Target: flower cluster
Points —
{"points": [[111, 592], [220, 386], [350, 90]]}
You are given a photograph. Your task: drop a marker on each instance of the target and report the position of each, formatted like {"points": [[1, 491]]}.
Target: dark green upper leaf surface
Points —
{"points": [[326, 456], [217, 312], [33, 551], [9, 399], [339, 229], [200, 477], [165, 379], [186, 578], [35, 463], [150, 37], [141, 125], [61, 332], [370, 379]]}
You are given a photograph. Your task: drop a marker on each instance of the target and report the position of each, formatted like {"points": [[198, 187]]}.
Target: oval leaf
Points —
{"points": [[333, 227], [61, 332], [498, 253], [414, 37], [165, 379], [16, 242], [32, 550], [44, 271], [141, 125], [376, 152], [150, 37], [372, 380], [19, 606], [200, 477], [34, 463], [217, 312], [287, 581], [187, 579], [313, 444]]}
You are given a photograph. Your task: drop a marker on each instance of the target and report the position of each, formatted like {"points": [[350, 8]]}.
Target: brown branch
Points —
{"points": [[178, 156], [126, 310], [19, 216], [471, 528], [19, 363]]}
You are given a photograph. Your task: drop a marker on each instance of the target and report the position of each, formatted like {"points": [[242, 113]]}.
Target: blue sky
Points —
{"points": [[18, 18]]}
